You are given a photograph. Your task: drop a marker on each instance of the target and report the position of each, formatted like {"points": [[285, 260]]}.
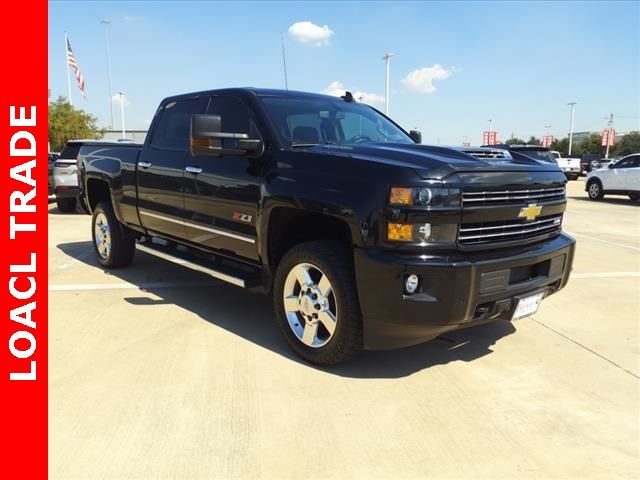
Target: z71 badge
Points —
{"points": [[243, 217]]}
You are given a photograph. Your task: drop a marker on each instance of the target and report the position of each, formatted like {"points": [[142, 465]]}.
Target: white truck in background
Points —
{"points": [[570, 166]]}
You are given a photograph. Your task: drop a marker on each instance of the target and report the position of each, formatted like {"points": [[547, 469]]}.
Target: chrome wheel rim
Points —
{"points": [[102, 235], [310, 305], [594, 190]]}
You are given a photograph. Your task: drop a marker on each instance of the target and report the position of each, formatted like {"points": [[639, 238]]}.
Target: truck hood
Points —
{"points": [[433, 162]]}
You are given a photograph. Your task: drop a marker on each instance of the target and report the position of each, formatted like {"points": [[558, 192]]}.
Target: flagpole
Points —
{"points": [[66, 54]]}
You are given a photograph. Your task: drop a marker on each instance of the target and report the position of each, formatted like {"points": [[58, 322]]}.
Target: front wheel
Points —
{"points": [[594, 189], [316, 302], [114, 246]]}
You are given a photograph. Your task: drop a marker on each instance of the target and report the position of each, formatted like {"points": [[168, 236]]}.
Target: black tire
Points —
{"points": [[594, 189], [634, 197], [122, 243], [66, 205], [336, 262]]}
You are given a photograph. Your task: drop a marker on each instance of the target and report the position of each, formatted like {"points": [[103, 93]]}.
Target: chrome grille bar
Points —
{"points": [[508, 230], [503, 196]]}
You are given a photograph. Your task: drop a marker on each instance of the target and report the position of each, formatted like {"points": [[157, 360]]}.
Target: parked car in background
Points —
{"points": [[619, 178], [53, 156], [570, 166], [65, 175], [602, 163], [586, 162]]}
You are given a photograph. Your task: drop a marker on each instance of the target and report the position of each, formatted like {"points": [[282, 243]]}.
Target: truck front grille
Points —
{"points": [[508, 230], [506, 196]]}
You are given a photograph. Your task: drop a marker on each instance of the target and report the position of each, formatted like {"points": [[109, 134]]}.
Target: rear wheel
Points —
{"points": [[316, 302], [113, 244], [594, 189], [66, 205]]}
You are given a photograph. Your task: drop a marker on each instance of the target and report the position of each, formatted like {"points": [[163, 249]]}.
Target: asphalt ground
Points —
{"points": [[157, 371]]}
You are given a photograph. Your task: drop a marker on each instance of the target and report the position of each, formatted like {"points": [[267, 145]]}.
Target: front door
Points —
{"points": [[223, 193], [618, 174], [160, 170]]}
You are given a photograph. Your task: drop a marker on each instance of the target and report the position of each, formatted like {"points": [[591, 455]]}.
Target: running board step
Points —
{"points": [[211, 266]]}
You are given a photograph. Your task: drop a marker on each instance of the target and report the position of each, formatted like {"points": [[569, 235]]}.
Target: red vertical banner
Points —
{"points": [[23, 234]]}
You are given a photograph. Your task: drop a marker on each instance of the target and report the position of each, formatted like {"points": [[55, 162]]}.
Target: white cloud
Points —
{"points": [[309, 32], [421, 80], [116, 100], [337, 89]]}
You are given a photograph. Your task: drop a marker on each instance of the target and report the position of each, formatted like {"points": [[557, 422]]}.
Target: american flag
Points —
{"points": [[71, 60]]}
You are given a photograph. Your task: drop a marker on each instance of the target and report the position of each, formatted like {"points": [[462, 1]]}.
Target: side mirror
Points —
{"points": [[416, 136], [207, 139], [611, 165]]}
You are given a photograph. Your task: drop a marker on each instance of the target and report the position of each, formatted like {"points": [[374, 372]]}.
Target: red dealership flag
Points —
{"points": [[607, 139], [489, 138]]}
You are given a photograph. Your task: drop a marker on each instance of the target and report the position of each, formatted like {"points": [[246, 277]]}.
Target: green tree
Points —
{"points": [[514, 141], [629, 143], [533, 141], [67, 122], [591, 144], [561, 145]]}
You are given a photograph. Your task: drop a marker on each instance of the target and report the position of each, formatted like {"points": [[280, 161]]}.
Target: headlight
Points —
{"points": [[425, 196]]}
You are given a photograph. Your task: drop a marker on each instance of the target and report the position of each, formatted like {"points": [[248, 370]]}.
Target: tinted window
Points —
{"points": [[628, 162], [70, 151], [543, 155], [172, 128], [234, 115]]}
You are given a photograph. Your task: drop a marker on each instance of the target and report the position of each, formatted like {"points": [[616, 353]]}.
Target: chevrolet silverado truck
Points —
{"points": [[365, 238]]}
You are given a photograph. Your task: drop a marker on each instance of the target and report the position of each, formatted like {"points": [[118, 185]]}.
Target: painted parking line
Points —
{"points": [[130, 286], [605, 275], [617, 244]]}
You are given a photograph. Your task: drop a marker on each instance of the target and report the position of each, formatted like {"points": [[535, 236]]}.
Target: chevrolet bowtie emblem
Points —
{"points": [[531, 212]]}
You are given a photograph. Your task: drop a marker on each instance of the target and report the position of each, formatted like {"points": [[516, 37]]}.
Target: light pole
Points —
{"points": [[573, 107], [122, 113], [386, 58], [106, 24]]}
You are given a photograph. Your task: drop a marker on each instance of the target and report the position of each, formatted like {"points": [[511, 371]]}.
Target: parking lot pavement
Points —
{"points": [[157, 371]]}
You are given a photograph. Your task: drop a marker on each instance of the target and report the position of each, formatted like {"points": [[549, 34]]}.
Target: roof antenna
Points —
{"points": [[284, 63], [348, 97]]}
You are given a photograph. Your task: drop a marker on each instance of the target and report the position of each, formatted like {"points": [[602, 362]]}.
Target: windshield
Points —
{"points": [[302, 122]]}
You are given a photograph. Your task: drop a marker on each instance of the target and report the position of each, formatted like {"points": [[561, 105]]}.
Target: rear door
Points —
{"points": [[223, 193], [160, 169]]}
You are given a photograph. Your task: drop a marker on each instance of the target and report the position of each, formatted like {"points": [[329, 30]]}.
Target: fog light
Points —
{"points": [[423, 232], [411, 284]]}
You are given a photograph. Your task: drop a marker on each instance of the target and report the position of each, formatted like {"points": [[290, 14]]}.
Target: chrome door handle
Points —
{"points": [[195, 170], [144, 164]]}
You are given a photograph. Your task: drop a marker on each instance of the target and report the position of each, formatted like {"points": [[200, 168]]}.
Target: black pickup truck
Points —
{"points": [[364, 237]]}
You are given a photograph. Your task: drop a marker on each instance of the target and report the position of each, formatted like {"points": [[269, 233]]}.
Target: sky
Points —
{"points": [[455, 65]]}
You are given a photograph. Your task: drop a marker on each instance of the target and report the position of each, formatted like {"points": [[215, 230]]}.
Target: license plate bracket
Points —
{"points": [[527, 305]]}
